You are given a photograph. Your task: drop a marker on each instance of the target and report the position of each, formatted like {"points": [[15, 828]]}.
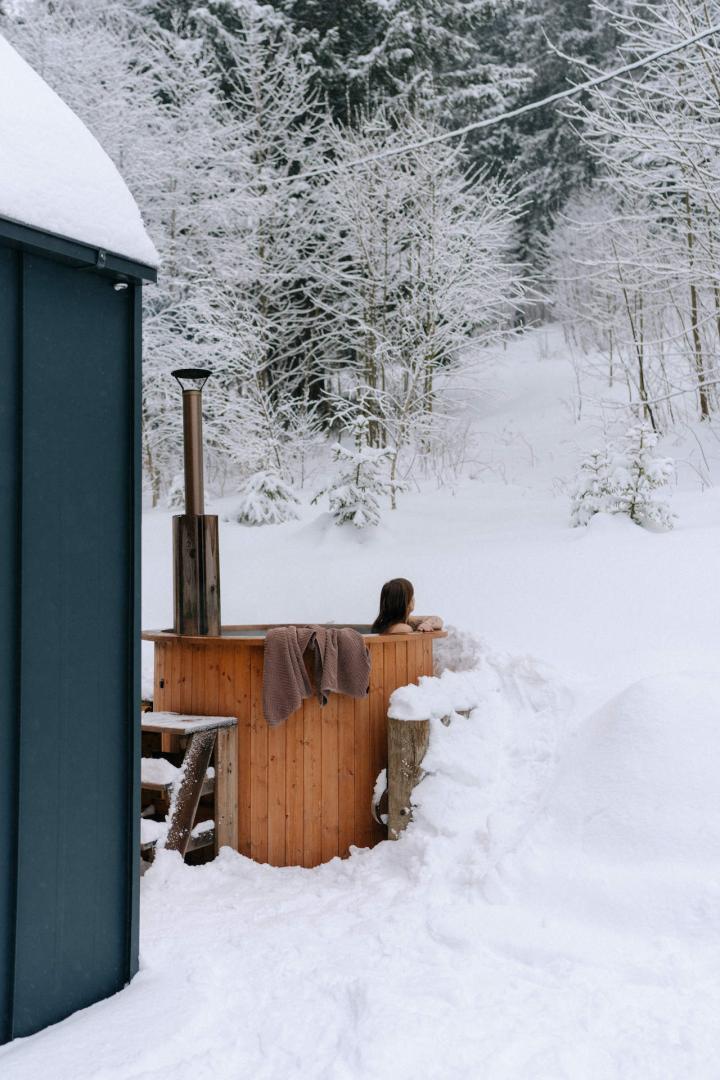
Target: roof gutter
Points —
{"points": [[72, 251]]}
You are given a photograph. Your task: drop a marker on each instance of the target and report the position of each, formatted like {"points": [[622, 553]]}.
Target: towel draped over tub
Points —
{"points": [[340, 661]]}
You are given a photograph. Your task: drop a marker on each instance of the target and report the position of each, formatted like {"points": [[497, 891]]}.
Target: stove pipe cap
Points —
{"points": [[197, 377]]}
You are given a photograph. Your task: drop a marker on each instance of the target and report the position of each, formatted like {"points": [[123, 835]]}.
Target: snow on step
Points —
{"points": [[158, 771], [162, 771], [54, 175], [152, 831], [202, 828]]}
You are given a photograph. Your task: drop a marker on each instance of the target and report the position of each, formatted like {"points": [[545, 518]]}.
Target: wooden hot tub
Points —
{"points": [[304, 787]]}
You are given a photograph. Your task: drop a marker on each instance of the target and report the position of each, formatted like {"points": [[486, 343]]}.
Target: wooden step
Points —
{"points": [[164, 787], [181, 724], [202, 836]]}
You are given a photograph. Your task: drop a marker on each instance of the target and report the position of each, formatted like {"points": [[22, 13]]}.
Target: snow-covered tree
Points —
{"points": [[154, 102], [266, 500], [543, 45], [622, 479], [414, 263], [655, 139], [436, 55], [361, 481], [590, 492]]}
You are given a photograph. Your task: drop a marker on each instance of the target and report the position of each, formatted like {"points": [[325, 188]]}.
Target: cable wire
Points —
{"points": [[491, 121]]}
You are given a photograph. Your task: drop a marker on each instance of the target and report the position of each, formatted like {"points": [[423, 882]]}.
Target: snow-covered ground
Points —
{"points": [[553, 910]]}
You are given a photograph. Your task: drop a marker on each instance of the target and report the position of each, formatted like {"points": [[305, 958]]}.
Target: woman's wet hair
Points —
{"points": [[395, 600]]}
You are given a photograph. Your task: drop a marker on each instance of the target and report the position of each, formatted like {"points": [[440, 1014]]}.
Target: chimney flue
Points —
{"points": [[195, 533]]}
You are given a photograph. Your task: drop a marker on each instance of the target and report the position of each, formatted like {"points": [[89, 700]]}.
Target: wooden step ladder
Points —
{"points": [[200, 737]]}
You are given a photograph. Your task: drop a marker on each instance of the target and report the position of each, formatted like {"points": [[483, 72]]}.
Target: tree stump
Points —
{"points": [[407, 744]]}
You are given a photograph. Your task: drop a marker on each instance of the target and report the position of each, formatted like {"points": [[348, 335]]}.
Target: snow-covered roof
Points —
{"points": [[54, 175]]}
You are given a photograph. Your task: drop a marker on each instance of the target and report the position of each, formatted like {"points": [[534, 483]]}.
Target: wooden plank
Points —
{"points": [[401, 664], [204, 839], [239, 663], [277, 735], [171, 698], [164, 791], [230, 701], [258, 763], [182, 723], [346, 773], [226, 793], [312, 783], [363, 749], [330, 778], [196, 688], [211, 665], [160, 663], [380, 688], [415, 659], [161, 691], [186, 795], [178, 678], [427, 646], [294, 823], [363, 766]]}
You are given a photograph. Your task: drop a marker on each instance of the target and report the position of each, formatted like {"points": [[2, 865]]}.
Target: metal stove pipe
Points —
{"points": [[196, 554], [192, 437]]}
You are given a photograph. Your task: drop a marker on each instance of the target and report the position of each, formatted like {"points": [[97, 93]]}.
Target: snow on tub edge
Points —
{"points": [[436, 697]]}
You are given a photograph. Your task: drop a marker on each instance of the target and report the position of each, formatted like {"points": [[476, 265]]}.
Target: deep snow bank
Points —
{"points": [[629, 834]]}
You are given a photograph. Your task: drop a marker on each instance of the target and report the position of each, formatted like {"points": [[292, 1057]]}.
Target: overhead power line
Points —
{"points": [[491, 121]]}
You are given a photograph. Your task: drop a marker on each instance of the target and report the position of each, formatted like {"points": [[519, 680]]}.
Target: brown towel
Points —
{"points": [[341, 664]]}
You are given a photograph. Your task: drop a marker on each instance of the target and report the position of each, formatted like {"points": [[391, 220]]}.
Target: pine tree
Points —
{"points": [[334, 33], [431, 54], [355, 493], [591, 489], [622, 479], [266, 500], [540, 153], [635, 474]]}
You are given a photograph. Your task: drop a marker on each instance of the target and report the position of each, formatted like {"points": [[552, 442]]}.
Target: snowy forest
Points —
{"points": [[335, 303], [454, 267]]}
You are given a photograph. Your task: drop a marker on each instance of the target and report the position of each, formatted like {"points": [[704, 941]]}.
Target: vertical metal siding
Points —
{"points": [[75, 932], [133, 633], [9, 571]]}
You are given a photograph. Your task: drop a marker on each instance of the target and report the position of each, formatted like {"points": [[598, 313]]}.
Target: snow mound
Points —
{"points": [[54, 175], [629, 834], [640, 779], [461, 650]]}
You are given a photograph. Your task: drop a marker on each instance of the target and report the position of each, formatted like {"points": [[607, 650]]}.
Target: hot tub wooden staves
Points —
{"points": [[304, 787]]}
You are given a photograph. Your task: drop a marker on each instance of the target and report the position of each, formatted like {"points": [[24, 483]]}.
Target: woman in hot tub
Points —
{"points": [[397, 601]]}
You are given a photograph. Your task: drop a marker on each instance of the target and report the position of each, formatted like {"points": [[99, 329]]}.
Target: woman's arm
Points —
{"points": [[400, 628], [425, 622]]}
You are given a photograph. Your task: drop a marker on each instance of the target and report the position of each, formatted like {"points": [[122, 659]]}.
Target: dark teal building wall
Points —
{"points": [[70, 350]]}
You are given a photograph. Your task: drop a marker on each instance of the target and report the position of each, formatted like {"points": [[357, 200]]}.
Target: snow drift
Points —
{"points": [[629, 835]]}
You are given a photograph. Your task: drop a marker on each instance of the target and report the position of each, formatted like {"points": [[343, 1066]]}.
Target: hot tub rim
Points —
{"points": [[234, 639]]}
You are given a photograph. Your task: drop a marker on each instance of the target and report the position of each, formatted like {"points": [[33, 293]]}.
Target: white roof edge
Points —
{"points": [[55, 176], [73, 240]]}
